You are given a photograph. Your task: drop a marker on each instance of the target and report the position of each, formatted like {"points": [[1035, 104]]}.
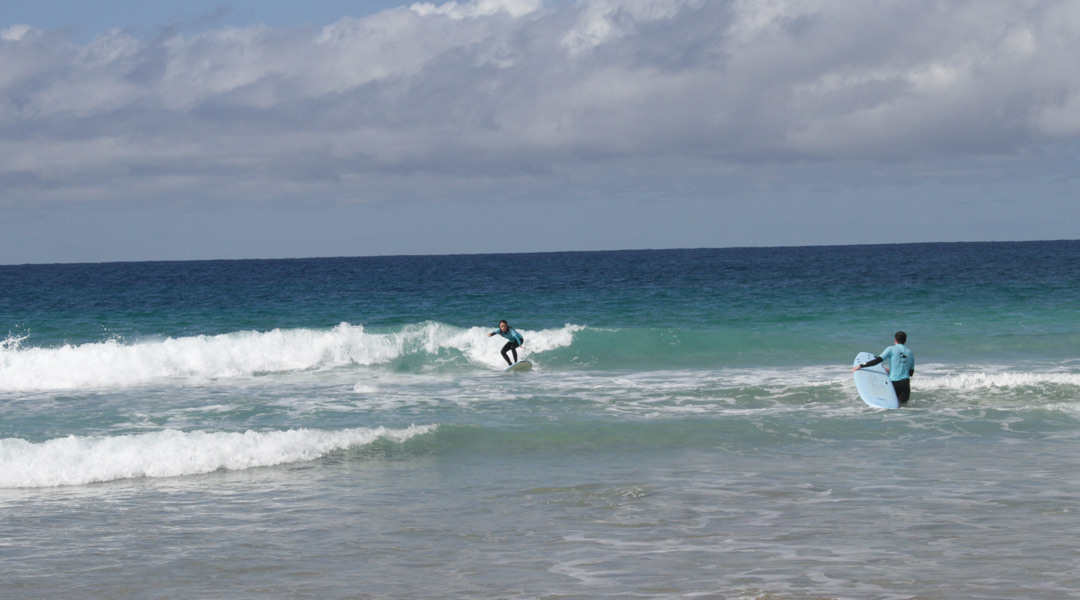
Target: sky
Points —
{"points": [[229, 129]]}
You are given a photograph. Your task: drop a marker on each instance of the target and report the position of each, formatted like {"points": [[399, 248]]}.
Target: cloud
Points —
{"points": [[505, 88], [477, 8]]}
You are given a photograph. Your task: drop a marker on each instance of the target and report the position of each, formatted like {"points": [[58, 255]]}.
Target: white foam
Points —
{"points": [[204, 358], [929, 378], [76, 460], [484, 350], [997, 380]]}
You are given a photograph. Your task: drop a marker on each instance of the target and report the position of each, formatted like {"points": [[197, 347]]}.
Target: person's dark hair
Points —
{"points": [[503, 322], [901, 337]]}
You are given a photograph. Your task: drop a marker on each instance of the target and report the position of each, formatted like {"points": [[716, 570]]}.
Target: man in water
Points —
{"points": [[516, 340], [900, 368]]}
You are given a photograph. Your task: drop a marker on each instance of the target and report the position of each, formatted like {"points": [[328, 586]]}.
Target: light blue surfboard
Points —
{"points": [[521, 365], [873, 383]]}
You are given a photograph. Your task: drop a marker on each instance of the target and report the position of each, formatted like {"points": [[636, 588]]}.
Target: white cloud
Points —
{"points": [[16, 33], [477, 8], [604, 21], [497, 88]]}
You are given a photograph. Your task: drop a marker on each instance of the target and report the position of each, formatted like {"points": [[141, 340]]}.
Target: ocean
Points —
{"points": [[342, 428]]}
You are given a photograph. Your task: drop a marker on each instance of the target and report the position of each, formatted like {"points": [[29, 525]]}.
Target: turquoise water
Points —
{"points": [[341, 428]]}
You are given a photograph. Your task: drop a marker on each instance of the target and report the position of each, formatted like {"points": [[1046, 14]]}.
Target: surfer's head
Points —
{"points": [[504, 326], [901, 337]]}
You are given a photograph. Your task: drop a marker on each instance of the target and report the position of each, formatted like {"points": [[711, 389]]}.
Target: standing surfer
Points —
{"points": [[901, 366], [516, 340]]}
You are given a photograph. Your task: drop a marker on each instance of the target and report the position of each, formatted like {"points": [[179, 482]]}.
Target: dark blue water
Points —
{"points": [[979, 298]]}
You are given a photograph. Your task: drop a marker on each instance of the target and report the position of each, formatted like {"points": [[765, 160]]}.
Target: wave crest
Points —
{"points": [[1001, 380], [113, 363], [76, 460]]}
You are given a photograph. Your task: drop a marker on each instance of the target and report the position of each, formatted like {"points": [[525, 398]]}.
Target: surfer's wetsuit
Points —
{"points": [[901, 368], [516, 340]]}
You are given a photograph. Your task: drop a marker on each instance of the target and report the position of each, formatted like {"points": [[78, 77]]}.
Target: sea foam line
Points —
{"points": [[1001, 380], [80, 460]]}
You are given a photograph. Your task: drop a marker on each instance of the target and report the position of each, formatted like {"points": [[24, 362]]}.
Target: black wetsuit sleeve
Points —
{"points": [[877, 361]]}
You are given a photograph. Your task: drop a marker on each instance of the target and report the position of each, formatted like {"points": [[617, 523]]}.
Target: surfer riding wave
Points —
{"points": [[516, 341]]}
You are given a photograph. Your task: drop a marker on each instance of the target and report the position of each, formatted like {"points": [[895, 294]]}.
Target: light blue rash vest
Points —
{"points": [[511, 335], [901, 361]]}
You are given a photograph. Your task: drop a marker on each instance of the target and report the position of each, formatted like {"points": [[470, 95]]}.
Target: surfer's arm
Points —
{"points": [[877, 361]]}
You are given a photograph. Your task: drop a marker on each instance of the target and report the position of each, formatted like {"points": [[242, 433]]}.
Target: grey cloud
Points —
{"points": [[500, 88]]}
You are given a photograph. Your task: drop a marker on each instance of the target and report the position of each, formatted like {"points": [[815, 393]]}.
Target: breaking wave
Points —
{"points": [[114, 363], [80, 460]]}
